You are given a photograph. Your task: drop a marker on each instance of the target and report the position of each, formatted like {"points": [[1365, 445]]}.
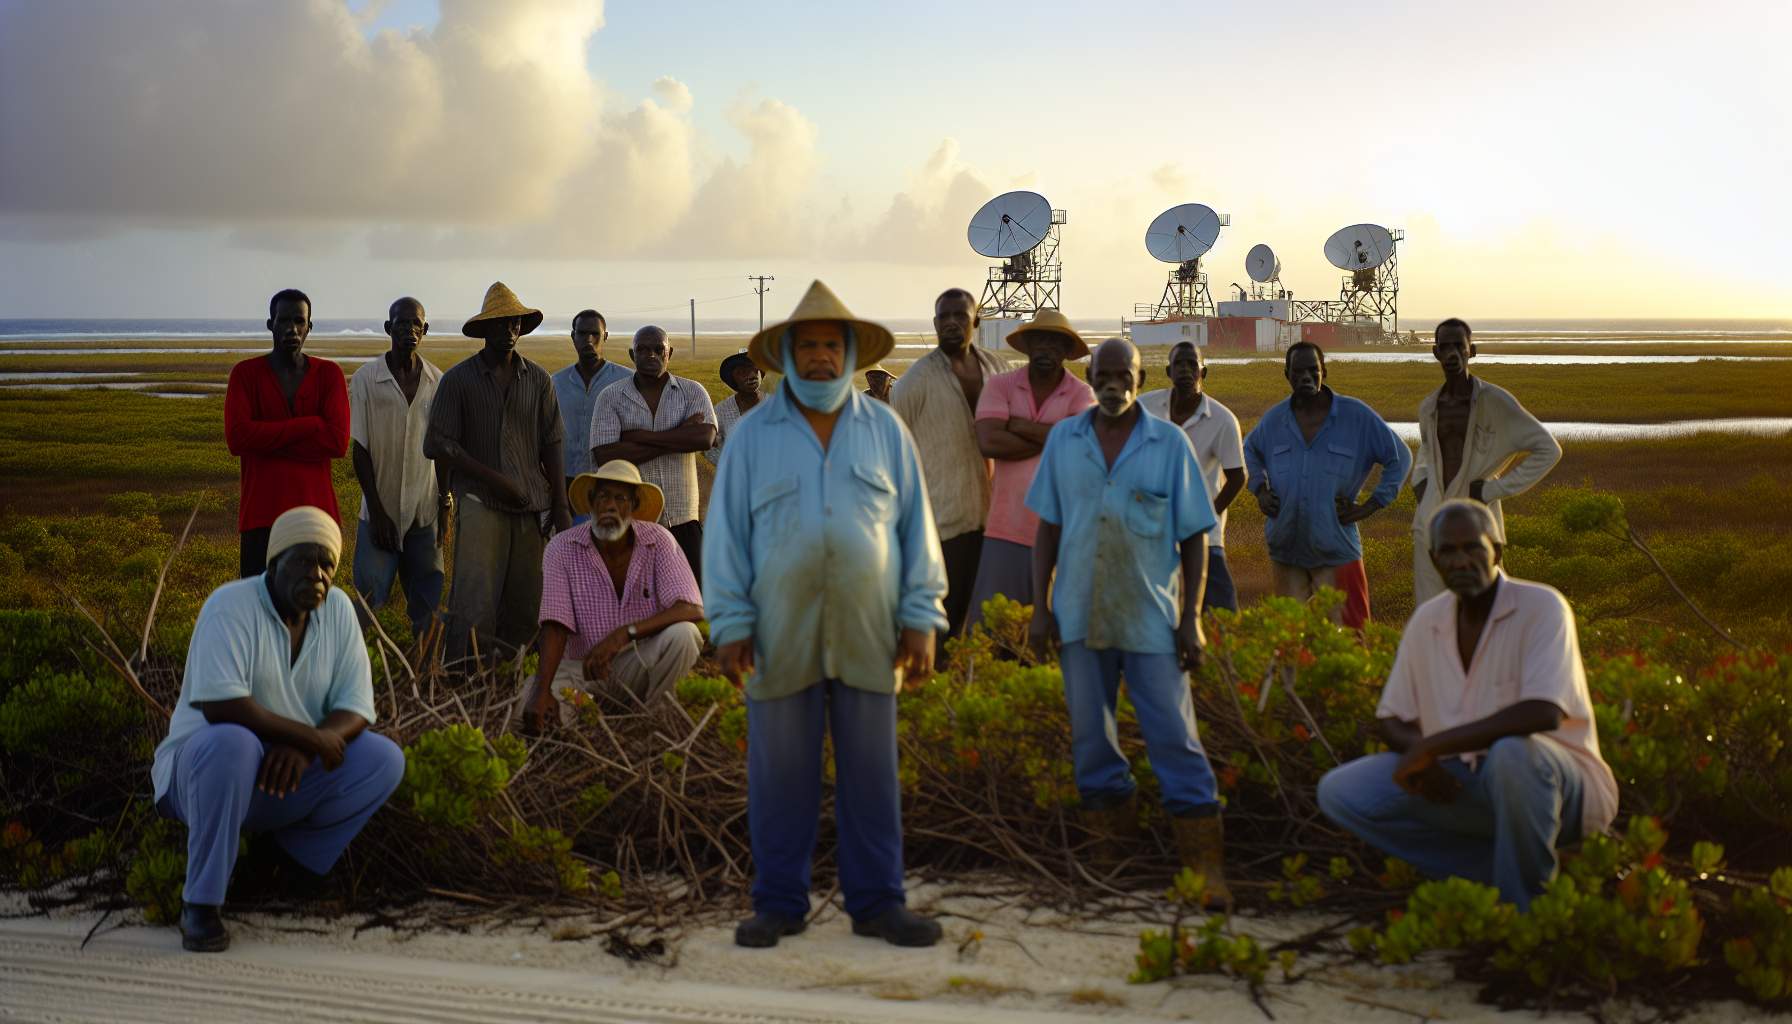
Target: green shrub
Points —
{"points": [[157, 875], [452, 774], [74, 716]]}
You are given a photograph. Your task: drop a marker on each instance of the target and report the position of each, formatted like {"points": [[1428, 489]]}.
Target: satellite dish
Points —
{"points": [[1010, 224], [1360, 247], [1261, 264], [1182, 233]]}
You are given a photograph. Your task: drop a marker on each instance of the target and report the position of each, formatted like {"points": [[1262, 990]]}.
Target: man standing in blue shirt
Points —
{"points": [[1123, 520], [823, 584], [1307, 460], [577, 387]]}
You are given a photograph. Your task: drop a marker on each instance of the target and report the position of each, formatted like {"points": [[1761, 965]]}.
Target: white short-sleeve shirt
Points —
{"points": [[1529, 650], [1219, 446], [241, 648]]}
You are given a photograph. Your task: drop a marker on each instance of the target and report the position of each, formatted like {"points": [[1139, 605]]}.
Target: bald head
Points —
{"points": [[406, 324], [650, 352], [1115, 375]]}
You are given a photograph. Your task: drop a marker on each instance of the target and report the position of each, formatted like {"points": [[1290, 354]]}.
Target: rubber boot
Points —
{"points": [[1113, 828], [1201, 844]]}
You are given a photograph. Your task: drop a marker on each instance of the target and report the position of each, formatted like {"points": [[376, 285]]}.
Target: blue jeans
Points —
{"points": [[1503, 828], [1221, 593], [418, 563], [213, 791], [1166, 709], [784, 797]]}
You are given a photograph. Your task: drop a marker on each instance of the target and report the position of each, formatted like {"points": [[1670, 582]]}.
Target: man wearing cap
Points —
{"points": [[285, 416], [1213, 430], [269, 734], [741, 376], [619, 605], [877, 383], [822, 583], [937, 398], [1016, 413], [576, 387], [659, 422], [1123, 514], [496, 423], [404, 495]]}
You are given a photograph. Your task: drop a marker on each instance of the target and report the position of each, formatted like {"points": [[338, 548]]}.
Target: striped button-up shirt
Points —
{"points": [[507, 429], [620, 407], [931, 401], [577, 399], [577, 591], [822, 557]]}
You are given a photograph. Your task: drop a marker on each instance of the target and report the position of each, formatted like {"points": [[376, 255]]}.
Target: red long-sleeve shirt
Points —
{"points": [[285, 448]]}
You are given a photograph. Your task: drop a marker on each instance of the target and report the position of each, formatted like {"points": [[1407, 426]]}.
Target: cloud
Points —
{"points": [[928, 219]]}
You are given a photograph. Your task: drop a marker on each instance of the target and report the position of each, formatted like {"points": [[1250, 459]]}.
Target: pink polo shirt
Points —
{"points": [[1009, 394], [1529, 650], [577, 592]]}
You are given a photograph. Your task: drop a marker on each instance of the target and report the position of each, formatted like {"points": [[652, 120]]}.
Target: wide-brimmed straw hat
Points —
{"points": [[879, 368], [501, 302], [734, 362], [820, 304], [1048, 321], [649, 499]]}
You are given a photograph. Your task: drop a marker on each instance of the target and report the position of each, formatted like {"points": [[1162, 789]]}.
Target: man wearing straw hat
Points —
{"points": [[619, 605], [877, 383], [1015, 414], [269, 734], [496, 423], [739, 373], [822, 581]]}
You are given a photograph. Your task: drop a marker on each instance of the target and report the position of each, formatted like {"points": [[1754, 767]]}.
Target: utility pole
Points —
{"points": [[693, 327], [759, 289]]}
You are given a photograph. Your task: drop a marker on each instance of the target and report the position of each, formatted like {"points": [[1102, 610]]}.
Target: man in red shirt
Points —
{"points": [[285, 417]]}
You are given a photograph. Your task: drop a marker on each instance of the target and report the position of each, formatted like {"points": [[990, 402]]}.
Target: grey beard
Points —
{"points": [[610, 535]]}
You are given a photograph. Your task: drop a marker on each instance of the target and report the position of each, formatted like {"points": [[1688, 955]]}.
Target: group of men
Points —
{"points": [[847, 533]]}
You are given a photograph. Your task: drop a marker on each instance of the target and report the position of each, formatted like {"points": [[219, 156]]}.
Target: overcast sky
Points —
{"points": [[1545, 157]]}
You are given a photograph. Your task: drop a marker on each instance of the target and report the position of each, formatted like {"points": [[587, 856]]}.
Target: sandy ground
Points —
{"points": [[1025, 967]]}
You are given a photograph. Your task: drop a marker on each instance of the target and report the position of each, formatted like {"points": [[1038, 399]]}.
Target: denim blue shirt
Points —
{"points": [[576, 402], [1119, 582], [1310, 477], [823, 557]]}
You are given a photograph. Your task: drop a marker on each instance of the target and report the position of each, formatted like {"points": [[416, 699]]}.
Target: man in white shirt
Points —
{"points": [[1495, 761], [404, 494], [1219, 448], [269, 734]]}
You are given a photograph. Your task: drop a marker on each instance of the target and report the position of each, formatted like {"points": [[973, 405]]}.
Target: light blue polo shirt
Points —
{"points": [[577, 399], [1119, 582], [241, 648]]}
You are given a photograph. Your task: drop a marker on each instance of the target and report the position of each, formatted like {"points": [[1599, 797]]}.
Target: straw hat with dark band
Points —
{"points": [[501, 302], [820, 304], [649, 499], [1048, 321]]}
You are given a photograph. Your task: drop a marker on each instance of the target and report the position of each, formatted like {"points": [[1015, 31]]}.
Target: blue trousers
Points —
{"points": [[1221, 593], [784, 797], [1520, 804], [213, 791], [418, 563], [1160, 693]]}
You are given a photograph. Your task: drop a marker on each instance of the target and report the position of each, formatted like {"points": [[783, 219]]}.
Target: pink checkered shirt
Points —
{"points": [[577, 592]]}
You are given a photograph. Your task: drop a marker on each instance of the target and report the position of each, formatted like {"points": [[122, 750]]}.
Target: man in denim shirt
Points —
{"points": [[823, 583], [1307, 460]]}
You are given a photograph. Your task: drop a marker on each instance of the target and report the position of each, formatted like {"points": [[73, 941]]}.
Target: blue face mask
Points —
{"points": [[820, 395]]}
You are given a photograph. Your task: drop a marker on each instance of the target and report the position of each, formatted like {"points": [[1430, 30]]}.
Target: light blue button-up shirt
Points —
{"points": [[823, 557], [1119, 582], [576, 402], [1309, 477]]}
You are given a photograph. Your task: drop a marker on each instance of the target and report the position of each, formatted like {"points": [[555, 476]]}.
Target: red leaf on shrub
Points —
{"points": [[1653, 861], [1301, 733]]}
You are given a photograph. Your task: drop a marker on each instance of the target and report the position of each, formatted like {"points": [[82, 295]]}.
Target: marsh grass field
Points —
{"points": [[1718, 506]]}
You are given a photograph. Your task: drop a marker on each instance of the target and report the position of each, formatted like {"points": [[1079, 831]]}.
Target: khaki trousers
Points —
{"points": [[1301, 583], [647, 669]]}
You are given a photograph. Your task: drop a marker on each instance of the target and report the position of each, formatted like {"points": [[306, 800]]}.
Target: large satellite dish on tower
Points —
{"points": [[1261, 263], [1010, 224], [1360, 247], [1183, 233]]}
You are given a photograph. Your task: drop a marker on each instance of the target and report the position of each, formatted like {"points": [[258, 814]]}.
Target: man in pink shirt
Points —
{"points": [[1495, 761], [619, 606], [1014, 415]]}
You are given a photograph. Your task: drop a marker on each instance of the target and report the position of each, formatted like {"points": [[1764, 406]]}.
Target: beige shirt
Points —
{"points": [[1501, 433], [391, 429], [931, 401], [1529, 650], [1213, 430]]}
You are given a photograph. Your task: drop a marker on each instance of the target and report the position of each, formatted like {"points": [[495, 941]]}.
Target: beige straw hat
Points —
{"points": [[1048, 321], [879, 368], [501, 302], [649, 499], [821, 304]]}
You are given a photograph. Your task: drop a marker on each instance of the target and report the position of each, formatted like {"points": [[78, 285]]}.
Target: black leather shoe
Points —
{"points": [[763, 930], [202, 930], [900, 926]]}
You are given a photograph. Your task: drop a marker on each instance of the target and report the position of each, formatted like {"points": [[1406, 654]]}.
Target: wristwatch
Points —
{"points": [[632, 635]]}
